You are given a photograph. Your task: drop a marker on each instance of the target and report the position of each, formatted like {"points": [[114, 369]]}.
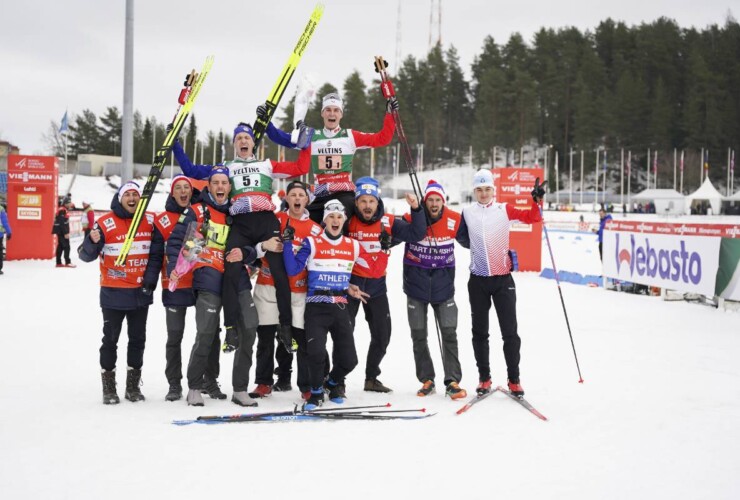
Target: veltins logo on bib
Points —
{"points": [[669, 264]]}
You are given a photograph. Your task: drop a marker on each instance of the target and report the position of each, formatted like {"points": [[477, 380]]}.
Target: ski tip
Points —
{"points": [[580, 381]]}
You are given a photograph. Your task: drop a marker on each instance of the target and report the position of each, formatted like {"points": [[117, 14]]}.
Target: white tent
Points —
{"points": [[667, 201], [734, 197], [706, 193]]}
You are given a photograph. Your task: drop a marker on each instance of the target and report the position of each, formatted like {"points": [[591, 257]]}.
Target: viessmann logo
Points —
{"points": [[675, 265]]}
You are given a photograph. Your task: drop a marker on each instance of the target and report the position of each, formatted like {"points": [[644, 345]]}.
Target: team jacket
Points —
{"points": [[368, 234], [429, 264], [484, 229], [251, 180], [164, 224], [120, 286], [208, 274], [331, 153], [304, 227], [330, 263]]}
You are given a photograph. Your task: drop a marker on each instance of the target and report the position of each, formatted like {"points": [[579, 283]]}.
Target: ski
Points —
{"points": [[260, 124], [475, 399], [188, 94], [349, 413], [522, 402]]}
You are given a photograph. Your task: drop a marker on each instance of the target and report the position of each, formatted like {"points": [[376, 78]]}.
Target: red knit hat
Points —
{"points": [[178, 178], [434, 187]]}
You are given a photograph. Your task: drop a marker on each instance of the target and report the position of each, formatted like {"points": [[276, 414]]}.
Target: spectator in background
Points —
{"points": [[88, 218], [603, 219], [61, 229], [4, 231]]}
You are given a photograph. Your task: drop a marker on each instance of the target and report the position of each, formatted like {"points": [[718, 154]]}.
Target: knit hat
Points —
{"points": [[483, 178], [177, 179], [243, 127], [333, 207], [218, 169], [367, 185], [332, 99], [296, 185], [129, 186], [434, 187]]}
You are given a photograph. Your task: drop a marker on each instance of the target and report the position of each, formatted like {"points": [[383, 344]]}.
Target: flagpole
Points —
{"points": [[701, 167], [570, 180], [596, 181], [629, 179], [621, 177], [581, 177], [603, 189], [655, 169], [681, 188], [674, 168], [728, 171], [648, 170], [557, 180]]}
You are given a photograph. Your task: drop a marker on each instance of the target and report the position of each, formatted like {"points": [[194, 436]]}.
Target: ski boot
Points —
{"points": [[516, 388], [484, 387], [454, 391], [375, 385], [426, 389], [175, 392], [261, 391]]}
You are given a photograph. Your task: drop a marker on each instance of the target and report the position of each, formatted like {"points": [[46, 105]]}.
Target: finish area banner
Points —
{"points": [[514, 186], [683, 257]]}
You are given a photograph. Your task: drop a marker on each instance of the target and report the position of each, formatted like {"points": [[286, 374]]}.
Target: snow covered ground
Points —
{"points": [[657, 416]]}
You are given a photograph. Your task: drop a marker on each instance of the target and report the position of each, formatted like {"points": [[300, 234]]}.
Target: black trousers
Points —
{"points": [[248, 230], [63, 247], [316, 207], [2, 252], [112, 326], [502, 291], [175, 317], [266, 353], [378, 317], [207, 317], [322, 319]]}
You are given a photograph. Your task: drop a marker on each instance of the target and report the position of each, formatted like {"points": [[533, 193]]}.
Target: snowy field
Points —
{"points": [[657, 416]]}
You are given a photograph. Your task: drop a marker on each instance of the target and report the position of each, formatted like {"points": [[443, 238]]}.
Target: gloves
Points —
{"points": [[288, 233], [391, 105], [9, 236], [385, 239], [169, 128], [148, 288], [262, 112], [539, 190], [231, 340]]}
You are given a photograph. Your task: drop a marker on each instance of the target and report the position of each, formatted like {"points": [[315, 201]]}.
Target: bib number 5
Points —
{"points": [[330, 162], [249, 181]]}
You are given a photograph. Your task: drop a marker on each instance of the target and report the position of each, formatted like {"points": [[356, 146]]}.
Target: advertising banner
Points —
{"points": [[32, 202], [696, 258], [514, 186]]}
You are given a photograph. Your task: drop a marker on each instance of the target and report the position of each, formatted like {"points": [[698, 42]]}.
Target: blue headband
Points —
{"points": [[243, 127], [219, 169]]}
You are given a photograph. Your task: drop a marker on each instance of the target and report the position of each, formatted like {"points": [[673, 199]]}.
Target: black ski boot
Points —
{"points": [[175, 392], [335, 391], [110, 397], [133, 381], [212, 388]]}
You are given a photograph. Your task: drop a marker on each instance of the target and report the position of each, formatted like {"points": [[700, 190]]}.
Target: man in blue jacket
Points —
{"points": [[429, 279]]}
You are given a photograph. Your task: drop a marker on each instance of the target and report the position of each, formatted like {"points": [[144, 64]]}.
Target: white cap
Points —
{"points": [[333, 207], [129, 186], [332, 100], [483, 178]]}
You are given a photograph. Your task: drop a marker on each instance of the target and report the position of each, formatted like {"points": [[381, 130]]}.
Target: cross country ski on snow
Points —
{"points": [[474, 400], [374, 412], [480, 397], [522, 402]]}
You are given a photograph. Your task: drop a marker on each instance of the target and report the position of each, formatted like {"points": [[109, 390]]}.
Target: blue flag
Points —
{"points": [[64, 127]]}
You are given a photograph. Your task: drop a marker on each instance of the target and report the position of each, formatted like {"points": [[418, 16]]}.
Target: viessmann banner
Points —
{"points": [[698, 258]]}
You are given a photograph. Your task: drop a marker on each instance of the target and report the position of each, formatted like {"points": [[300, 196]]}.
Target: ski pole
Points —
{"points": [[388, 92], [560, 291]]}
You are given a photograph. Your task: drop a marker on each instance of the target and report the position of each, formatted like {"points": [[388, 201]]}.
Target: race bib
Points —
{"points": [[330, 162], [247, 181]]}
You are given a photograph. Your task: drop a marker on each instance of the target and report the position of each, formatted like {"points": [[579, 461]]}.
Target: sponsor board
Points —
{"points": [[29, 213]]}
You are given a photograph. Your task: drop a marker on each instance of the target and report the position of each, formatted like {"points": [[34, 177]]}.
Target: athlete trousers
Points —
{"points": [[136, 330], [445, 315], [482, 291], [323, 319]]}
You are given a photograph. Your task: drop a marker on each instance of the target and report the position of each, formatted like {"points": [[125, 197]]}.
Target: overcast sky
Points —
{"points": [[58, 55]]}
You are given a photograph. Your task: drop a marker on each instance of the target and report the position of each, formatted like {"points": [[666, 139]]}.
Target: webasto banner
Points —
{"points": [[697, 258]]}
